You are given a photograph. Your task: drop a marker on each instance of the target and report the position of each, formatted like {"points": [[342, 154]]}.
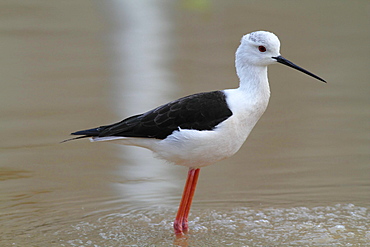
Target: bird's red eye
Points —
{"points": [[261, 48]]}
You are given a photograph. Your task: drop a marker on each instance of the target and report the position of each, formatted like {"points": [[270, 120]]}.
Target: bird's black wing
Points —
{"points": [[202, 111]]}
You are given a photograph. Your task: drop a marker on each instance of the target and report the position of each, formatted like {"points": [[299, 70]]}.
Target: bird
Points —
{"points": [[203, 128]]}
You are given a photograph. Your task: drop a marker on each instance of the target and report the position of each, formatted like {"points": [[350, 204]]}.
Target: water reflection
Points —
{"points": [[142, 50]]}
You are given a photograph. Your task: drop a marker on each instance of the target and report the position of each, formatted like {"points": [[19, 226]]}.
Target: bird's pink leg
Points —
{"points": [[185, 226], [181, 222]]}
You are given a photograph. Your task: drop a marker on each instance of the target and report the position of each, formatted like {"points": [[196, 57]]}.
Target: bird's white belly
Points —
{"points": [[193, 148]]}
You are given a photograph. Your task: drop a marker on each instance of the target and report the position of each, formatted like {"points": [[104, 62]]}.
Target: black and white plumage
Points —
{"points": [[201, 129], [202, 111], [192, 131]]}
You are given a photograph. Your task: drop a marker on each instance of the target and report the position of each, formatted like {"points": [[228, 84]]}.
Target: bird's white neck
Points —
{"points": [[253, 81], [248, 102]]}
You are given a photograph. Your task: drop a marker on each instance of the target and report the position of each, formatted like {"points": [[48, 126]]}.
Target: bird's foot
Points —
{"points": [[181, 226], [178, 227], [185, 225]]}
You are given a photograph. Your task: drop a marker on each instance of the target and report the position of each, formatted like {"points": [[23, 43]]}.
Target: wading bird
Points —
{"points": [[200, 129]]}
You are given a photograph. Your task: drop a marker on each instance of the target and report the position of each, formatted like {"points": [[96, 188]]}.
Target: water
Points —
{"points": [[301, 179]]}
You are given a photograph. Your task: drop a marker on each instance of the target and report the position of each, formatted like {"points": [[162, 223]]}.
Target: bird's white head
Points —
{"points": [[258, 48]]}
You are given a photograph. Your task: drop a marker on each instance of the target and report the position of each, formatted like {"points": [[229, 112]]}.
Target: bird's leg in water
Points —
{"points": [[181, 222]]}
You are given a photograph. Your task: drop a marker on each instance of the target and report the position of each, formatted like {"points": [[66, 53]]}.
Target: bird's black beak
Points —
{"points": [[286, 62]]}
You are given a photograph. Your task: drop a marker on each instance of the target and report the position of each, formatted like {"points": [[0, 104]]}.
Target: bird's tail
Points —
{"points": [[85, 134]]}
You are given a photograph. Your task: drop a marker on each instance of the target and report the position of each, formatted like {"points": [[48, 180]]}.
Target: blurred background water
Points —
{"points": [[301, 179]]}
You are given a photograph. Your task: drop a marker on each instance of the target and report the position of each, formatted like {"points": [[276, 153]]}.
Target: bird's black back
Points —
{"points": [[202, 111]]}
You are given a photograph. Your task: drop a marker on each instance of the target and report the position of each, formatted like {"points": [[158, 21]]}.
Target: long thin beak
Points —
{"points": [[286, 62]]}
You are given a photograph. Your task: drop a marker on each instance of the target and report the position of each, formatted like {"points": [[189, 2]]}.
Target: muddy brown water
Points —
{"points": [[301, 179]]}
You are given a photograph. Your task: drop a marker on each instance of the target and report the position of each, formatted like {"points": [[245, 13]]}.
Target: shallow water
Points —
{"points": [[301, 179]]}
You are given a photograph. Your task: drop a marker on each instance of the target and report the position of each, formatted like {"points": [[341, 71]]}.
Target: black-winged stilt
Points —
{"points": [[201, 129]]}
